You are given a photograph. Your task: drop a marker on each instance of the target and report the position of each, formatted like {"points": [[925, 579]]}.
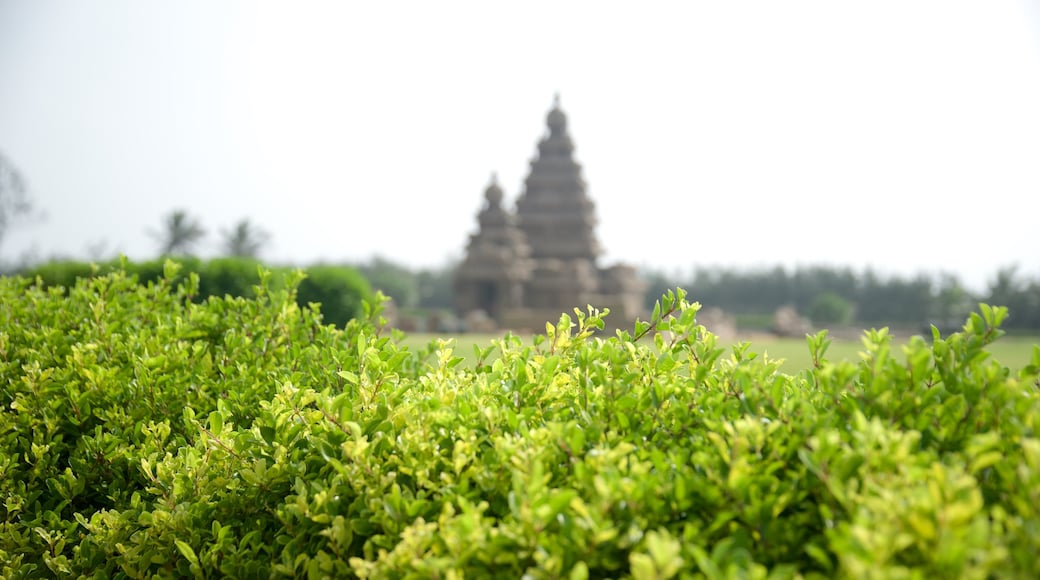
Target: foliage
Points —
{"points": [[876, 300], [148, 434], [829, 309], [425, 288], [436, 288], [790, 354], [392, 279], [1021, 296], [232, 276], [339, 289], [62, 272]]}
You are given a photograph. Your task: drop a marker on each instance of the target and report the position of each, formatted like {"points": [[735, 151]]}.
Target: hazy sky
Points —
{"points": [[903, 135]]}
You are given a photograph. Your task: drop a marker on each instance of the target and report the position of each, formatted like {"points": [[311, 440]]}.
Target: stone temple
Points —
{"points": [[524, 268]]}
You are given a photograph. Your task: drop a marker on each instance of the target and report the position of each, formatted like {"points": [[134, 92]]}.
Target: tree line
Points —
{"points": [[840, 295], [827, 295]]}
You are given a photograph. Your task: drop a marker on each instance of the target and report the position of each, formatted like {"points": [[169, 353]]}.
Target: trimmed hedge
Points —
{"points": [[145, 434], [340, 290]]}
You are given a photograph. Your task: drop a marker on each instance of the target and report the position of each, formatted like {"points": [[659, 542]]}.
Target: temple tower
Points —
{"points": [[555, 214], [497, 262]]}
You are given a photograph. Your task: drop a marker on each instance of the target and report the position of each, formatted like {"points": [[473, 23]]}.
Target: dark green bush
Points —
{"points": [[63, 272], [830, 309], [147, 435], [340, 290], [151, 271], [230, 277]]}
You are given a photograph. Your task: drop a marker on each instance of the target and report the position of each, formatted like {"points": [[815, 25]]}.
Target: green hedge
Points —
{"points": [[147, 435], [340, 290]]}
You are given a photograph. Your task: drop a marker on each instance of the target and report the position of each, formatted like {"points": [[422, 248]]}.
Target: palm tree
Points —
{"points": [[179, 233], [245, 240], [14, 203]]}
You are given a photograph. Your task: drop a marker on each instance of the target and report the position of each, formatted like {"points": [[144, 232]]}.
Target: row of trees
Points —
{"points": [[180, 234], [827, 295], [831, 295]]}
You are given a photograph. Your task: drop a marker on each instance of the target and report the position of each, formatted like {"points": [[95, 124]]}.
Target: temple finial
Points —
{"points": [[556, 100], [494, 193]]}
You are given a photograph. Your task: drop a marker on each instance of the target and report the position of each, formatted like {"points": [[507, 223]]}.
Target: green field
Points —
{"points": [[1012, 351]]}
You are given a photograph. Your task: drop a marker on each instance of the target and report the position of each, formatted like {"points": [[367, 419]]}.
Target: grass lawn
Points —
{"points": [[1012, 351]]}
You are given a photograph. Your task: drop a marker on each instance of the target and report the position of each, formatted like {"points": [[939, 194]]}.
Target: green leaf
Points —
{"points": [[216, 423], [187, 552], [348, 376]]}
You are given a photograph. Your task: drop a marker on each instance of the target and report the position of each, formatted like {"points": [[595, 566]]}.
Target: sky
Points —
{"points": [[903, 136]]}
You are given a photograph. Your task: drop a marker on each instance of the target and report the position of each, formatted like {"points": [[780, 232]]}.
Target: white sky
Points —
{"points": [[904, 135]]}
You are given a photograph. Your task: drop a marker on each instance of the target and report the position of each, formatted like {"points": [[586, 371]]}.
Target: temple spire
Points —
{"points": [[555, 213], [493, 193]]}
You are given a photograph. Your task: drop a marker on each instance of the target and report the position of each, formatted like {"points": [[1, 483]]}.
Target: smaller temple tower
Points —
{"points": [[497, 261], [522, 270]]}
